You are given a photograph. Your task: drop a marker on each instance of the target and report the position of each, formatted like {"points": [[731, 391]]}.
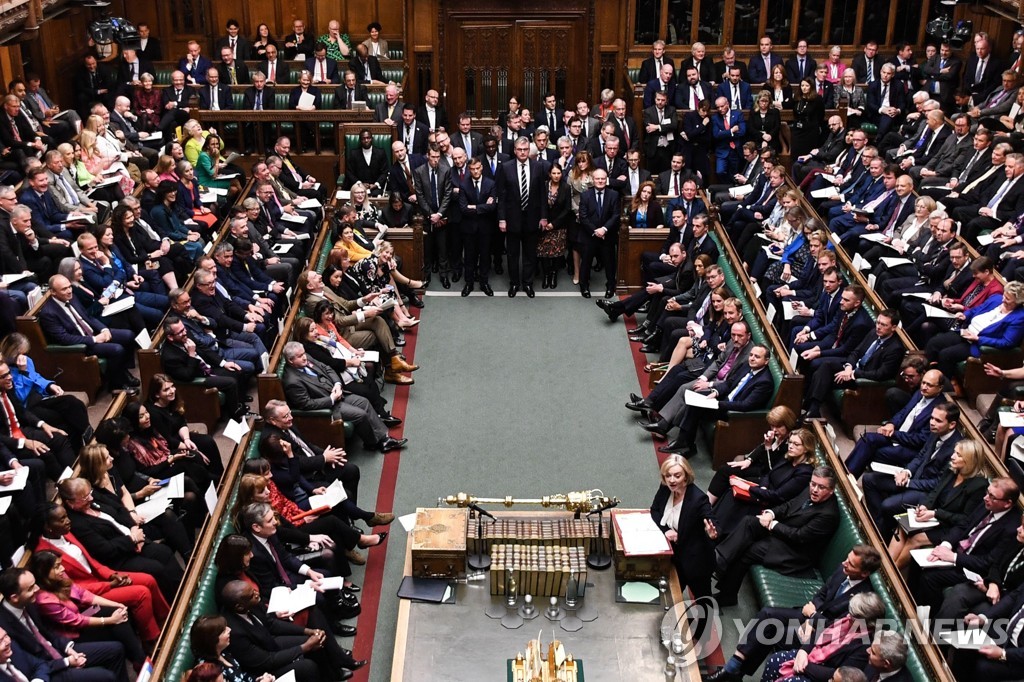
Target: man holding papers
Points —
{"points": [[1003, 578], [886, 493]]}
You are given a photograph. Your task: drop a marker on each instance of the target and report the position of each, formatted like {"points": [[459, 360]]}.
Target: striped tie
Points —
{"points": [[524, 189]]}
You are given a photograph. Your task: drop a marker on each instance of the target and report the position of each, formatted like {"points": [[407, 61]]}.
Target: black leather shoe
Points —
{"points": [[638, 338], [344, 610], [649, 347], [445, 282], [389, 444], [638, 404], [416, 302], [400, 340], [468, 289], [356, 665], [675, 447], [656, 428], [342, 630], [609, 307], [391, 421], [132, 382], [721, 675], [585, 293], [529, 291], [609, 293], [512, 290], [486, 288], [383, 536], [457, 275], [352, 588], [344, 675]]}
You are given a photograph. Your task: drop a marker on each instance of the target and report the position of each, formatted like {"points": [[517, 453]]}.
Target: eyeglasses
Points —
{"points": [[819, 486]]}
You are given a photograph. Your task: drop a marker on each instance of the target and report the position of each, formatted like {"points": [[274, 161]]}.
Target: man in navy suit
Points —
{"points": [[17, 665], [614, 165], [887, 101], [625, 127], [479, 205], [692, 92], [232, 70], [45, 211], [194, 65], [411, 132], [728, 130], [761, 65], [215, 96], [876, 358], [868, 65], [66, 322], [665, 82], [801, 65], [401, 178], [829, 603], [885, 212], [464, 137], [600, 215], [983, 69], [826, 307], [736, 91], [323, 68], [276, 70], [492, 157], [351, 92], [886, 495], [174, 103], [838, 338], [521, 216]]}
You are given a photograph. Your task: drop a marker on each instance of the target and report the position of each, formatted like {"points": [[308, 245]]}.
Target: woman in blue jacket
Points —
{"points": [[998, 323]]}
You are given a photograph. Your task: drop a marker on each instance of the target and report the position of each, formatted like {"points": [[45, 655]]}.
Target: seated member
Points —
{"points": [[184, 361]]}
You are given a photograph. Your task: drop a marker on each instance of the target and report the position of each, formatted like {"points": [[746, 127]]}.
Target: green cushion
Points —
{"points": [[634, 73], [380, 141], [74, 348]]}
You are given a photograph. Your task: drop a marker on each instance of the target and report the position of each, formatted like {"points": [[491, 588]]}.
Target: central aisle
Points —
{"points": [[515, 397]]}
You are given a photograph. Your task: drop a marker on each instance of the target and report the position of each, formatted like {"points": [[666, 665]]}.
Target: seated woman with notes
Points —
{"points": [[210, 636], [958, 493], [682, 511]]}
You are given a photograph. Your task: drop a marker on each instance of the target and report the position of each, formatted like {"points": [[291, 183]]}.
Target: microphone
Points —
{"points": [[481, 511], [608, 504]]}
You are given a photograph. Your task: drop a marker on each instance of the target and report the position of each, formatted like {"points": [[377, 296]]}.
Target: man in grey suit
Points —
{"points": [[952, 156], [390, 110], [311, 385], [433, 182], [65, 191]]}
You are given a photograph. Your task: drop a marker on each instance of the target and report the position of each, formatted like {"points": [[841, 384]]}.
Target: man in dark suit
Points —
{"points": [[95, 522], [761, 65], [183, 361], [390, 110], [16, 134], [729, 61], [819, 307], [698, 60], [29, 442], [521, 215], [130, 67], [1005, 576], [311, 385], [365, 66], [822, 86], [366, 164], [801, 65], [614, 165], [174, 103], [635, 175], [728, 130], [413, 132], [478, 204], [263, 643], [868, 64], [232, 70], [238, 44], [876, 358], [665, 82], [999, 204], [995, 662], [841, 336], [953, 156], [430, 114], [466, 138], [886, 494], [942, 73], [787, 538], [149, 47], [215, 96], [693, 91], [433, 187], [258, 97], [275, 69], [737, 91], [907, 73], [550, 114], [298, 44], [194, 65], [625, 127], [323, 69], [492, 157], [972, 545], [983, 69], [887, 101], [651, 66], [66, 661], [825, 153], [350, 92], [91, 85], [17, 665], [401, 178], [600, 215], [829, 603], [65, 322], [675, 281], [659, 135]]}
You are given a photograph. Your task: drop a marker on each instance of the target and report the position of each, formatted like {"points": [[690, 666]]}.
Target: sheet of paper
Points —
{"points": [[794, 358], [937, 313], [333, 583], [334, 495], [859, 263], [19, 482], [150, 509], [985, 239], [408, 521], [787, 310], [219, 191], [921, 557], [829, 177], [873, 237], [771, 254], [75, 216], [306, 101], [105, 182], [972, 639], [5, 504], [770, 314], [914, 523], [923, 295], [292, 601], [1011, 420], [757, 289], [143, 339], [695, 399], [176, 487], [236, 430], [891, 262], [282, 248], [210, 496], [971, 575], [18, 555], [342, 195], [287, 677], [153, 136], [882, 468], [823, 193], [17, 277], [227, 176], [740, 191], [640, 535], [292, 218], [116, 167], [119, 306], [835, 238], [311, 204], [371, 356], [65, 475], [208, 198]]}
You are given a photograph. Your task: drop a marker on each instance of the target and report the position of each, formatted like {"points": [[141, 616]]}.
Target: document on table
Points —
{"points": [[886, 468], [972, 639], [19, 482], [921, 557], [86, 217], [640, 535], [152, 137], [891, 262], [740, 191], [291, 601], [914, 523], [694, 399], [1011, 420], [938, 313], [334, 495]]}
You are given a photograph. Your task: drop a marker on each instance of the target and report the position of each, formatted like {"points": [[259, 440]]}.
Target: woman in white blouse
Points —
{"points": [[682, 511]]}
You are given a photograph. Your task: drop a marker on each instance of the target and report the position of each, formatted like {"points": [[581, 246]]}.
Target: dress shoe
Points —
{"points": [[545, 281], [609, 293], [512, 290], [356, 665], [656, 428], [468, 289], [638, 404], [355, 557], [638, 338], [399, 339], [486, 288], [390, 420], [383, 536], [585, 293], [389, 444], [131, 381], [381, 519], [342, 630], [346, 610], [610, 308], [457, 275], [393, 377], [498, 270], [722, 675], [445, 282], [352, 588], [650, 346], [344, 675], [676, 447], [529, 291], [398, 364], [416, 301]]}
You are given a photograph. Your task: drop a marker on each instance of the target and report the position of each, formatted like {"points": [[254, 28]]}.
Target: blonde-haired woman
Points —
{"points": [[99, 156], [581, 178], [682, 511]]}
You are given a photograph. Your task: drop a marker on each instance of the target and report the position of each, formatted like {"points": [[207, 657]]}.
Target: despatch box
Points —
{"points": [[439, 543], [652, 558]]}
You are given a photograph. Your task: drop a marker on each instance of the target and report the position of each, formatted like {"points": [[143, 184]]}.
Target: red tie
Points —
{"points": [[625, 132], [12, 418], [273, 71], [45, 643], [323, 72], [841, 330], [280, 567]]}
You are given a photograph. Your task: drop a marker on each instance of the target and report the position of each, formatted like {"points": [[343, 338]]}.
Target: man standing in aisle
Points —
{"points": [[522, 212]]}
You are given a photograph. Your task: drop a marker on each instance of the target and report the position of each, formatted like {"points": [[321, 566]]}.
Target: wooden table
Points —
{"points": [[438, 642]]}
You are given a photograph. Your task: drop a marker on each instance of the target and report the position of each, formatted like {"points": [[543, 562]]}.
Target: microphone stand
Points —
{"points": [[598, 559], [479, 560]]}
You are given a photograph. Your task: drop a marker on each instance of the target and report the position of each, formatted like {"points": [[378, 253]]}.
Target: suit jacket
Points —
{"points": [[305, 392], [226, 315], [100, 537], [341, 96], [25, 132], [649, 68], [721, 69], [753, 396], [59, 328], [893, 206], [243, 49], [1002, 532], [1007, 569], [998, 102], [856, 329], [249, 98], [241, 73], [419, 137], [942, 84], [184, 367], [654, 86], [380, 112], [152, 51], [860, 67], [618, 167], [476, 142], [829, 604], [32, 667], [631, 129], [264, 569], [255, 645], [296, 93], [953, 504], [26, 419], [224, 99], [667, 124], [356, 168], [915, 436], [795, 543], [991, 77], [282, 74], [1006, 333], [726, 142], [897, 98], [421, 178], [884, 362], [197, 71], [500, 158], [440, 117], [27, 641], [793, 68], [826, 310], [510, 201], [481, 218], [371, 66], [756, 70], [398, 182], [609, 216], [705, 70], [929, 464], [692, 547], [746, 94], [953, 156], [331, 68], [685, 93]]}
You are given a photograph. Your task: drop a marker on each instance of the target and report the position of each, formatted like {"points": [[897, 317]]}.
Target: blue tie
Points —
{"points": [[867, 355], [739, 387]]}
